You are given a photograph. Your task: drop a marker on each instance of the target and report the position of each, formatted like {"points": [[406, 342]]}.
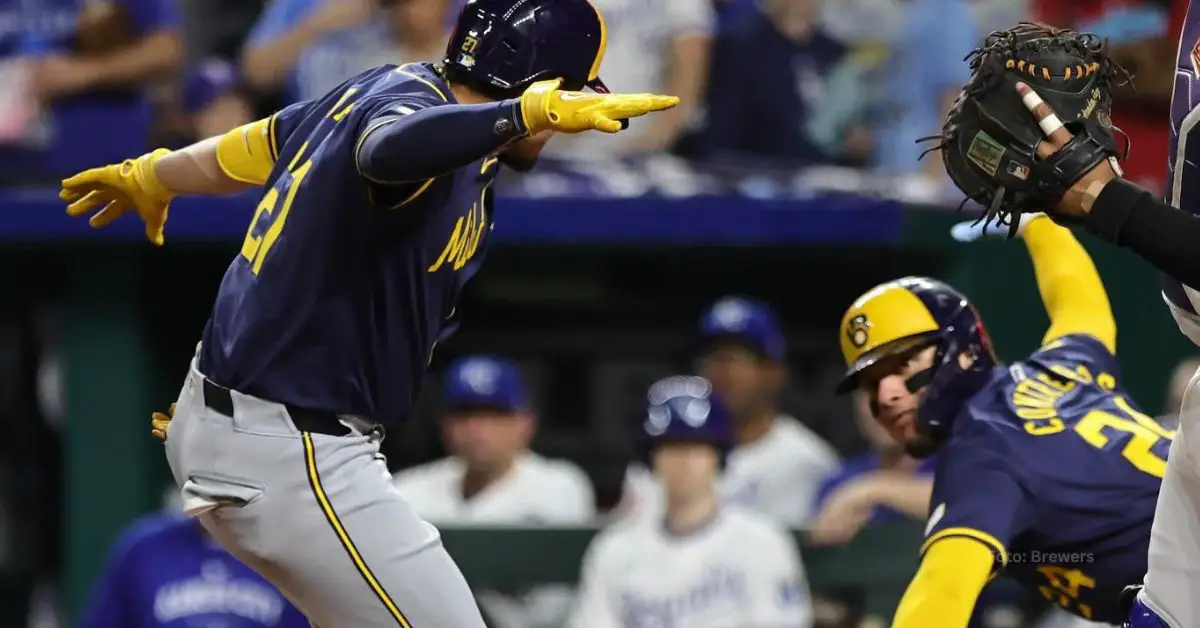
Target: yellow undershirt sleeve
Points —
{"points": [[246, 153], [943, 592], [1070, 286]]}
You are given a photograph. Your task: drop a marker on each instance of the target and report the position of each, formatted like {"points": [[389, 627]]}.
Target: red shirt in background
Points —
{"points": [[1147, 127]]}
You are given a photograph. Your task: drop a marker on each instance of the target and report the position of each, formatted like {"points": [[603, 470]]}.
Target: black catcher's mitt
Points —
{"points": [[989, 141]]}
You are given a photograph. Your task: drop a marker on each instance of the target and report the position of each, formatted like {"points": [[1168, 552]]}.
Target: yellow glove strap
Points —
{"points": [[144, 175]]}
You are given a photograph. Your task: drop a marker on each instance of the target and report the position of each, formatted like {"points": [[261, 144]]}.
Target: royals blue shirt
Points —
{"points": [[165, 572]]}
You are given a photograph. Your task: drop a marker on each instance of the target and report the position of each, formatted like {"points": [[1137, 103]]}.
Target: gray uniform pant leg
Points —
{"points": [[316, 515]]}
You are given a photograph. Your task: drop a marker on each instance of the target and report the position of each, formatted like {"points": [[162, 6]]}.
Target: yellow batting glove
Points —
{"points": [[545, 107], [159, 423], [115, 190]]}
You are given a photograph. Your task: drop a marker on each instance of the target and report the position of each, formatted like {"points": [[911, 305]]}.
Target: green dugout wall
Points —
{"points": [[129, 315]]}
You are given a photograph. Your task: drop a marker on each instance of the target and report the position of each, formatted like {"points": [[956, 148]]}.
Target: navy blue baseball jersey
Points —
{"points": [[164, 572], [1055, 468], [343, 286]]}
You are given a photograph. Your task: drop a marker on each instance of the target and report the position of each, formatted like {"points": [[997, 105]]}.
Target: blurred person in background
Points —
{"points": [[212, 100], [1143, 37], [883, 485], [165, 571], [654, 46], [700, 563], [777, 463], [110, 45], [304, 48], [921, 77], [492, 477], [769, 77], [82, 85]]}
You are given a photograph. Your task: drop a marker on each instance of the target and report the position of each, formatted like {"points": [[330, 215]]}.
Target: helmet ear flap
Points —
{"points": [[961, 367]]}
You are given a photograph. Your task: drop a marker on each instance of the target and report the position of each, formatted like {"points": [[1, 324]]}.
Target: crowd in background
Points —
{"points": [[767, 84], [781, 84]]}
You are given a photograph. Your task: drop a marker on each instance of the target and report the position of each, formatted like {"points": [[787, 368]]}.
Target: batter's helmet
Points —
{"points": [[500, 47], [907, 313], [683, 408]]}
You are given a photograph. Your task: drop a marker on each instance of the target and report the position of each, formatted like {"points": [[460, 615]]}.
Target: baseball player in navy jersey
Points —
{"points": [[376, 209], [1048, 470], [697, 563], [165, 571]]}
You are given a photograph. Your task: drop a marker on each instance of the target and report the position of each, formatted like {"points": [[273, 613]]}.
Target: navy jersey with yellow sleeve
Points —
{"points": [[343, 287], [1054, 468]]}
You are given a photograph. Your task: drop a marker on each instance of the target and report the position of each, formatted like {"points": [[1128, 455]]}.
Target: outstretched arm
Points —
{"points": [[451, 136], [228, 163], [1071, 289]]}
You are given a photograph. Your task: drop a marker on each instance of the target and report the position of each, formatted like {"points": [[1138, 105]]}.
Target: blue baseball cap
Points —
{"points": [[747, 321], [484, 381], [209, 81]]}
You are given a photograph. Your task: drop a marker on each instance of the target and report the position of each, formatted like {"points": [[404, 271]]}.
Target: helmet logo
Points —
{"points": [[856, 330]]}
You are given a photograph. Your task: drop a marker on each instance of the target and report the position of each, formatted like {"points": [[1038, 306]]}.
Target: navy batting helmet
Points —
{"points": [[907, 313], [683, 408], [500, 47]]}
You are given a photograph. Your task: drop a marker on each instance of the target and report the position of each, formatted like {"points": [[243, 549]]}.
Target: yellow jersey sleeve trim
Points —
{"points": [[1069, 284], [245, 154], [971, 533], [437, 90]]}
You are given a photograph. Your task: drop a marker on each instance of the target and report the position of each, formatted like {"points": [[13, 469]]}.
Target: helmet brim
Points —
{"points": [[900, 345]]}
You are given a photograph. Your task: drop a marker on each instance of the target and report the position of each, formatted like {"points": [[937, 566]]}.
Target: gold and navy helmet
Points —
{"points": [[912, 312]]}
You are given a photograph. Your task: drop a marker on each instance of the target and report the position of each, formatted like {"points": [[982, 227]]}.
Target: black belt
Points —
{"points": [[218, 399]]}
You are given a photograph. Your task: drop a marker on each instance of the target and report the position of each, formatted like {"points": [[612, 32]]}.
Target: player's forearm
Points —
{"points": [[943, 592], [195, 170], [432, 142], [1130, 216], [905, 493], [1070, 286]]}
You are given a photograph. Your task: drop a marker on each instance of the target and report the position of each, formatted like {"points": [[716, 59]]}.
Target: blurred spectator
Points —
{"points": [[659, 46], [884, 485], [777, 463], [115, 44], [921, 78], [491, 477], [212, 100], [768, 78], [701, 564], [1143, 36], [165, 571], [306, 47], [76, 90]]}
